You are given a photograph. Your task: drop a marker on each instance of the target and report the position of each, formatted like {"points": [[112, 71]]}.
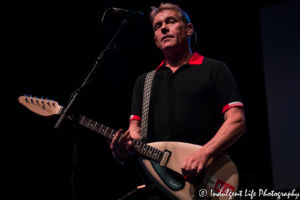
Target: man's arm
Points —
{"points": [[233, 127]]}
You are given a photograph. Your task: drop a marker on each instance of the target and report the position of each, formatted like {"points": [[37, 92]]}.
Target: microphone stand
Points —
{"points": [[72, 107]]}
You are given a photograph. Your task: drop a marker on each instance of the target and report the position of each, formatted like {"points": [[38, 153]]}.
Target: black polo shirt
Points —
{"points": [[187, 105]]}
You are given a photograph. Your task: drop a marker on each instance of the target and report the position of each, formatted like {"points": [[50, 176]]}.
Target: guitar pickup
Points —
{"points": [[165, 159]]}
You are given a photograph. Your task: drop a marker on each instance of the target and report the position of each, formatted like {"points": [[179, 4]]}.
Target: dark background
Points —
{"points": [[50, 47]]}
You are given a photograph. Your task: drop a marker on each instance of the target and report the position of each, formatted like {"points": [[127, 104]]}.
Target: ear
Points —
{"points": [[155, 40], [190, 29]]}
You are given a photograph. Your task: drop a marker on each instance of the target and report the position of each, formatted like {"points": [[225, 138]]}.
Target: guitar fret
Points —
{"points": [[137, 145], [85, 120], [82, 119], [95, 125], [142, 147], [89, 123], [150, 151], [111, 135], [96, 129], [146, 149], [100, 128], [106, 131], [157, 156], [154, 153]]}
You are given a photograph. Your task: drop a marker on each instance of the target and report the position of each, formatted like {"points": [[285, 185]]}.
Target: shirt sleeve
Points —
{"points": [[137, 98], [226, 89]]}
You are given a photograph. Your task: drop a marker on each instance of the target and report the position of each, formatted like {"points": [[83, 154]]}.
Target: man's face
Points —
{"points": [[169, 30]]}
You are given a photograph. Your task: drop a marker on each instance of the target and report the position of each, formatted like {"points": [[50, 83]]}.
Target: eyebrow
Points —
{"points": [[167, 18]]}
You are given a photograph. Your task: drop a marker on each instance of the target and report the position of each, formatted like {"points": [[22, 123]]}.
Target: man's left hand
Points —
{"points": [[193, 165]]}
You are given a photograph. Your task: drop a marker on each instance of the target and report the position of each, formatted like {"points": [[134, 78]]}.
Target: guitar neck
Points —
{"points": [[138, 146]]}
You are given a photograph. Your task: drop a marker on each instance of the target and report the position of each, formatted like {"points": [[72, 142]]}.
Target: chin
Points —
{"points": [[167, 47]]}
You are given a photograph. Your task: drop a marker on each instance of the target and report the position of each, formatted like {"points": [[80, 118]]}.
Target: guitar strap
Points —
{"points": [[145, 109], [146, 103]]}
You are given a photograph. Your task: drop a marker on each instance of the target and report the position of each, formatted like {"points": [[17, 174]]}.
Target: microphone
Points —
{"points": [[137, 16]]}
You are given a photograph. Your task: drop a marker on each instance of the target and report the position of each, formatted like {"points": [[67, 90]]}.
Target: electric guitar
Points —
{"points": [[162, 160]]}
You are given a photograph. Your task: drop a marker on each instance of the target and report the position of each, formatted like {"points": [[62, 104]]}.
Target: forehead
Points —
{"points": [[166, 14]]}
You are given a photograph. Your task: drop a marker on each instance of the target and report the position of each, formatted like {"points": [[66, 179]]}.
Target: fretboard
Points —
{"points": [[138, 146]]}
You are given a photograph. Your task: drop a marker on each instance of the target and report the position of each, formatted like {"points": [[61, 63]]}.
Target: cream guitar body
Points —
{"points": [[219, 170], [162, 160]]}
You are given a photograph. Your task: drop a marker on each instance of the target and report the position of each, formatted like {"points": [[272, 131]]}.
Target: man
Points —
{"points": [[191, 96]]}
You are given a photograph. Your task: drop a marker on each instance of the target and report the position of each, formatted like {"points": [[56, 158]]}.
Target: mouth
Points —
{"points": [[166, 37]]}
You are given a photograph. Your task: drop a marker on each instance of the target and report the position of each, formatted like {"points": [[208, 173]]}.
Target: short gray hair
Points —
{"points": [[168, 6]]}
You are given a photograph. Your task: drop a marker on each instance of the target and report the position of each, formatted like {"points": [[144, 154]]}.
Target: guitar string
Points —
{"points": [[173, 162]]}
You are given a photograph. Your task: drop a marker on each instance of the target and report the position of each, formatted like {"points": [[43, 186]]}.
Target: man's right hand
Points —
{"points": [[121, 144]]}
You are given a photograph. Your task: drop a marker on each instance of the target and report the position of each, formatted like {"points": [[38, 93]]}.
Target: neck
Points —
{"points": [[176, 59]]}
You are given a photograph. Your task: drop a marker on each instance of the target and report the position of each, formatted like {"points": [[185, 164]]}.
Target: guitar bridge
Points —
{"points": [[165, 158]]}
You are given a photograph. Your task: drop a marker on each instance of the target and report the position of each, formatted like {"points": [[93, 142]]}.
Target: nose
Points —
{"points": [[164, 28]]}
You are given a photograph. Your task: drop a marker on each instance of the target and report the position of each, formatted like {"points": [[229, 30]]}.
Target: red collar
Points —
{"points": [[196, 59]]}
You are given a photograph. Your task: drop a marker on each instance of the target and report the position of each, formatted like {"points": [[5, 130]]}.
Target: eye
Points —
{"points": [[171, 21], [157, 26]]}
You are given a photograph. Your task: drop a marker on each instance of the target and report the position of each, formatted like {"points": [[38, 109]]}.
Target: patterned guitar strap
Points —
{"points": [[146, 103]]}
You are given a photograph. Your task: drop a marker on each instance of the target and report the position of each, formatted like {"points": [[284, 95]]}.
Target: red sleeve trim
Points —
{"points": [[135, 117], [230, 105]]}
